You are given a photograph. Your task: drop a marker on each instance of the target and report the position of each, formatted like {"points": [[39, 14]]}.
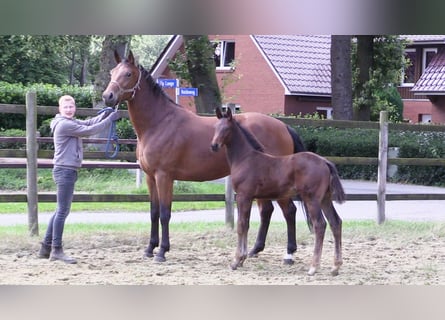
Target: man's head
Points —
{"points": [[67, 106]]}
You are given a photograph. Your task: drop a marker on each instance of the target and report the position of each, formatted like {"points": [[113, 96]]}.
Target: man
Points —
{"points": [[68, 156]]}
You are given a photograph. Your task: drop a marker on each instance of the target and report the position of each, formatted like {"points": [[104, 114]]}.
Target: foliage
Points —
{"points": [[149, 48], [12, 133], [380, 91], [47, 95], [125, 130], [364, 143]]}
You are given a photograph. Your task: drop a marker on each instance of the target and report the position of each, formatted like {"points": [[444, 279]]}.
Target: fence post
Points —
{"points": [[382, 166], [31, 162]]}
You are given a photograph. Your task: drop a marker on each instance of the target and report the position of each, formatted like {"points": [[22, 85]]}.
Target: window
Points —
{"points": [[408, 73], [427, 56], [424, 118], [224, 54], [325, 112]]}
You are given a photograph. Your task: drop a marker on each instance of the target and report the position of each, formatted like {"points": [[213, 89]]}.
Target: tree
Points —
{"points": [[147, 48], [341, 77], [107, 61], [377, 61], [197, 67]]}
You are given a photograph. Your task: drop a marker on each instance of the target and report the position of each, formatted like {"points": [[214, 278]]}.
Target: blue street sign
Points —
{"points": [[168, 83], [191, 92]]}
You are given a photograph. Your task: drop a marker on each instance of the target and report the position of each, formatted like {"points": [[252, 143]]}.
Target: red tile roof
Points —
{"points": [[432, 80], [302, 62]]}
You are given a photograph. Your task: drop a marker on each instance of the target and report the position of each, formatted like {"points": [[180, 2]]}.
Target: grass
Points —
{"points": [[104, 181], [401, 230]]}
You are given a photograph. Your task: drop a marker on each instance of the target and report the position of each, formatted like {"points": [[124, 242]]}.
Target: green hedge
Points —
{"points": [[47, 95], [365, 143]]}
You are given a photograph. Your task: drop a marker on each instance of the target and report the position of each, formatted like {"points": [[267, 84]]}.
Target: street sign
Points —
{"points": [[190, 92], [168, 83]]}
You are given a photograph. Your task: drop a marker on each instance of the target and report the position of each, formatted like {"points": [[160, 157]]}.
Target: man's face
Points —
{"points": [[67, 109]]}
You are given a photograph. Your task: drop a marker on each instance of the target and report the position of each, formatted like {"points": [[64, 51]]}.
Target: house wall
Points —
{"points": [[413, 108], [252, 85], [295, 105], [438, 110]]}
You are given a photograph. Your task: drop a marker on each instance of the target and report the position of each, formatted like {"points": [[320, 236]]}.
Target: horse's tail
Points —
{"points": [[336, 187], [308, 219], [298, 143]]}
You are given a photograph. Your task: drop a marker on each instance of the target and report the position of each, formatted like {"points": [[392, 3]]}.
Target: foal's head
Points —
{"points": [[124, 82], [223, 129]]}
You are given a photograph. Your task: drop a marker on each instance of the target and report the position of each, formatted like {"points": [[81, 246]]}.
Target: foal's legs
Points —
{"points": [[319, 224], [266, 208], [244, 206], [335, 223], [289, 210]]}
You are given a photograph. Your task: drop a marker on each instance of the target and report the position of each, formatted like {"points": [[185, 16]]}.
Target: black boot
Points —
{"points": [[58, 254], [45, 251]]}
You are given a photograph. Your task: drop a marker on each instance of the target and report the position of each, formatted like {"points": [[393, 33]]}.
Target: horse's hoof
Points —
{"points": [[252, 255], [148, 254], [311, 271], [233, 266], [288, 262], [334, 272], [158, 258]]}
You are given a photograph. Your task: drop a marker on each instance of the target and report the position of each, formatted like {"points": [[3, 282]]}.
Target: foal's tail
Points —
{"points": [[336, 188]]}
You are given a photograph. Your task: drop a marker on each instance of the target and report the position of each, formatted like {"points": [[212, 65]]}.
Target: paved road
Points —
{"points": [[351, 210]]}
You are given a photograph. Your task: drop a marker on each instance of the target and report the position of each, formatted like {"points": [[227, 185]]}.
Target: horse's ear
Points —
{"points": [[229, 114], [218, 112], [117, 57], [130, 57]]}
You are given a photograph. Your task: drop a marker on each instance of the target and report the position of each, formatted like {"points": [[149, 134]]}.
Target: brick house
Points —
{"points": [[290, 74], [423, 87]]}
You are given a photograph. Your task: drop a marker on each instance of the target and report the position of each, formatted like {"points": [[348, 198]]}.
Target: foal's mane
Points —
{"points": [[250, 138]]}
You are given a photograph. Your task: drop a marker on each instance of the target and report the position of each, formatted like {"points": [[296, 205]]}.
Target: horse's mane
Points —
{"points": [[250, 138], [155, 87]]}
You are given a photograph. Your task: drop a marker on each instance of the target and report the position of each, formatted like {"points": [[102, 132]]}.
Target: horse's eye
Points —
{"points": [[128, 74]]}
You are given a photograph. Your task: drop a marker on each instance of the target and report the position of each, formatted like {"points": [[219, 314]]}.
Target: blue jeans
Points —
{"points": [[65, 179]]}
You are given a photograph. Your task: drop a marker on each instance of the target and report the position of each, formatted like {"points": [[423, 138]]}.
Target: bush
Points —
{"points": [[365, 143], [47, 95], [12, 133]]}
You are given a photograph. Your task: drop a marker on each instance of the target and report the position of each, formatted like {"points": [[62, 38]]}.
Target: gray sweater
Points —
{"points": [[68, 133]]}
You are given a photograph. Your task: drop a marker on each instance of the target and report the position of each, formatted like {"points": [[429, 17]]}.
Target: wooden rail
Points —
{"points": [[126, 160]]}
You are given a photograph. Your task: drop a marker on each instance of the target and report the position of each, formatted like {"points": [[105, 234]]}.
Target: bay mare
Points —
{"points": [[174, 144], [258, 175]]}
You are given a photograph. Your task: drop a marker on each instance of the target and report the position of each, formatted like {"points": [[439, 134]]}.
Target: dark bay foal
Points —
{"points": [[258, 175]]}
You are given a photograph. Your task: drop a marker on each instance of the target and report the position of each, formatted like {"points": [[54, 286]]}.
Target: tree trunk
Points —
{"points": [[365, 46], [202, 73], [107, 62], [341, 77]]}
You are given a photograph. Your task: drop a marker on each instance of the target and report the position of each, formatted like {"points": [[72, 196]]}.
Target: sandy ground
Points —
{"points": [[203, 258]]}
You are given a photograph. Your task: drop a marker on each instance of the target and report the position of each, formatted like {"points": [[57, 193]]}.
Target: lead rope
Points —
{"points": [[113, 139]]}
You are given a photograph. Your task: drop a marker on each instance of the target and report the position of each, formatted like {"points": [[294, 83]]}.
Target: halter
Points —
{"points": [[136, 86]]}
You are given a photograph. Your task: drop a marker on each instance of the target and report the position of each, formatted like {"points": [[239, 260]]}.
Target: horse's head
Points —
{"points": [[222, 129], [125, 80]]}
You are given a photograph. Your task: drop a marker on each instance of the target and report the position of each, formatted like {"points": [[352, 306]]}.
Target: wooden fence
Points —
{"points": [[32, 158]]}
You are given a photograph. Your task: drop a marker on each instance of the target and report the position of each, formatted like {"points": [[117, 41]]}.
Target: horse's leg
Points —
{"points": [[165, 193], [289, 210], [244, 206], [154, 215], [266, 208], [335, 223], [319, 224]]}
